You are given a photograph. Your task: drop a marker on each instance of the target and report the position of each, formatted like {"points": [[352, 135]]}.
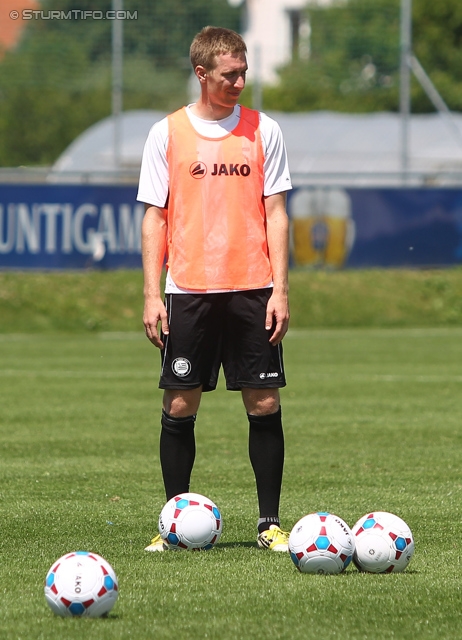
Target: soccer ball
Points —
{"points": [[81, 584], [383, 543], [190, 521], [321, 543]]}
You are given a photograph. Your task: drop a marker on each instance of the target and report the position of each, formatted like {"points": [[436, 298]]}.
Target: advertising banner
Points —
{"points": [[69, 227], [388, 227], [91, 226]]}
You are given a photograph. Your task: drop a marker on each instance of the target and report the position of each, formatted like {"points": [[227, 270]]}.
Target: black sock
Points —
{"points": [[265, 523], [266, 452], [177, 453]]}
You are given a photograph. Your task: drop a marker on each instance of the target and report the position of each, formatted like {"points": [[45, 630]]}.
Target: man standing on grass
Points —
{"points": [[213, 179]]}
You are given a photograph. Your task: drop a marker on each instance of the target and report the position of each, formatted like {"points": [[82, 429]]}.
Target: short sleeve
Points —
{"points": [[276, 165], [154, 178]]}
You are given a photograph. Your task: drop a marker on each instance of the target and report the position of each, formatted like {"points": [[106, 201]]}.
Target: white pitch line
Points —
{"points": [[104, 335], [121, 335], [379, 377], [435, 332], [21, 373], [373, 377], [293, 333]]}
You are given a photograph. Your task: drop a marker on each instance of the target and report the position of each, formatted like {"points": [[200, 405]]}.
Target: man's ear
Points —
{"points": [[201, 73]]}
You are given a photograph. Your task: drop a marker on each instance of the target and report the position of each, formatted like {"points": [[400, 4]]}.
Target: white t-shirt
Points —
{"points": [[154, 177]]}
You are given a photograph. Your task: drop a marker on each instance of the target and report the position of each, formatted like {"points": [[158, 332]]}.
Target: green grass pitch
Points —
{"points": [[372, 421]]}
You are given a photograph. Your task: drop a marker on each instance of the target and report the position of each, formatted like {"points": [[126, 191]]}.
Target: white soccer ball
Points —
{"points": [[81, 584], [383, 543], [321, 543], [190, 521]]}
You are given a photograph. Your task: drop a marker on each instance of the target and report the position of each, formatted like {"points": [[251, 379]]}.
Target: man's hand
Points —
{"points": [[277, 311], [277, 232], [155, 312]]}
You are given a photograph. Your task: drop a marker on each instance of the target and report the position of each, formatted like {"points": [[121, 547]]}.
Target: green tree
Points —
{"points": [[57, 82], [437, 43], [354, 58]]}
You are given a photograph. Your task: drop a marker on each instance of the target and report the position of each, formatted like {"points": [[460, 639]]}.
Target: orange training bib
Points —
{"points": [[216, 214]]}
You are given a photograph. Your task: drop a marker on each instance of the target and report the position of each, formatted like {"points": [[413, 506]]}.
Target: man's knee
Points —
{"points": [[261, 402], [180, 403]]}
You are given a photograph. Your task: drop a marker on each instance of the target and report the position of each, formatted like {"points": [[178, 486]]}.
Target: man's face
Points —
{"points": [[226, 80]]}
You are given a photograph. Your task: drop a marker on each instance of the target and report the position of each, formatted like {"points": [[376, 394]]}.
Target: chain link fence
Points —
{"points": [[334, 55]]}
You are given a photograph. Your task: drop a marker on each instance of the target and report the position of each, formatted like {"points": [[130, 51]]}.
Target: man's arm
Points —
{"points": [[277, 231], [153, 247]]}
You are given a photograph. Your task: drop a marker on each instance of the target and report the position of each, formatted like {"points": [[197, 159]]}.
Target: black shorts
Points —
{"points": [[214, 329]]}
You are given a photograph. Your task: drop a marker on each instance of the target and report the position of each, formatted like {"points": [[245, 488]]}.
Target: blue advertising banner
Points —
{"points": [[82, 226], [421, 227], [388, 227], [69, 227]]}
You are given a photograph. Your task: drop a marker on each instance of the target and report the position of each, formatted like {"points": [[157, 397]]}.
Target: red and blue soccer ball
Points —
{"points": [[190, 521], [81, 584], [383, 543], [321, 543]]}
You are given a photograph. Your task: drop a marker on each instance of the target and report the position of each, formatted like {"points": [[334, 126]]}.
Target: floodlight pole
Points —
{"points": [[405, 82], [117, 78]]}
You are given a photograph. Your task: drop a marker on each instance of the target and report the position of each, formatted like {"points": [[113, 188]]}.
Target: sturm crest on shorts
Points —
{"points": [[181, 367]]}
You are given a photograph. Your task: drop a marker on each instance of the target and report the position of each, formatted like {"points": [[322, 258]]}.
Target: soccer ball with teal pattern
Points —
{"points": [[383, 543], [190, 521], [81, 584], [321, 543]]}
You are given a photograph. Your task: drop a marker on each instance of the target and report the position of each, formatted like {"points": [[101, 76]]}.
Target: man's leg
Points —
{"points": [[177, 440], [266, 452], [177, 445], [190, 362]]}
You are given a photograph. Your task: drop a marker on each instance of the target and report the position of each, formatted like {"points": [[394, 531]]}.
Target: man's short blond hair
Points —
{"points": [[213, 41]]}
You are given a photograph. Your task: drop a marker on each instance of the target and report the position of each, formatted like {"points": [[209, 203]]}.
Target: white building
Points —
{"points": [[275, 31]]}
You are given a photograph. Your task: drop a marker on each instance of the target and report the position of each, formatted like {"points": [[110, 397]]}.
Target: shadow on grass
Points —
{"points": [[357, 572], [235, 545]]}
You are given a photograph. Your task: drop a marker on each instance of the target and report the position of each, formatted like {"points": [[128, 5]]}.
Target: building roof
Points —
{"points": [[322, 146], [12, 22]]}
